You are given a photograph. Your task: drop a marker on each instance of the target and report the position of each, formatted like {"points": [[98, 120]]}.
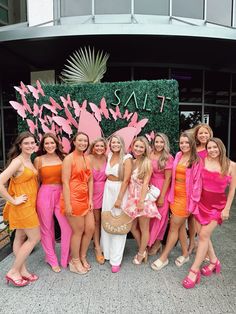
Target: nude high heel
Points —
{"points": [[75, 266], [144, 258]]}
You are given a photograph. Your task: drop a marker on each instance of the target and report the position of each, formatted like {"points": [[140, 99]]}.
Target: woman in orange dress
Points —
{"points": [[76, 202], [20, 209], [184, 195]]}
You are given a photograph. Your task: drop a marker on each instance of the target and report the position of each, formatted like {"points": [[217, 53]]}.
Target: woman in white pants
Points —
{"points": [[118, 171]]}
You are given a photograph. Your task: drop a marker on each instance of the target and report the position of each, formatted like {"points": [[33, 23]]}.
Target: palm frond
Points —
{"points": [[85, 67]]}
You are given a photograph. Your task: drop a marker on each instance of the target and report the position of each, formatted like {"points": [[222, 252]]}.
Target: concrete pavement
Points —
{"points": [[136, 289]]}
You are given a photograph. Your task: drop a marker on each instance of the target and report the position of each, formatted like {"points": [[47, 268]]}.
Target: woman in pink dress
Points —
{"points": [[214, 206], [138, 206], [201, 133], [162, 163], [98, 163]]}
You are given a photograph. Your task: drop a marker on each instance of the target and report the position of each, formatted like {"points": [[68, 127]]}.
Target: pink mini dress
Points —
{"points": [[99, 179], [213, 197], [134, 191]]}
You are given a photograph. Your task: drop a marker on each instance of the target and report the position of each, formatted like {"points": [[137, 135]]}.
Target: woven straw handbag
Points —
{"points": [[120, 224]]}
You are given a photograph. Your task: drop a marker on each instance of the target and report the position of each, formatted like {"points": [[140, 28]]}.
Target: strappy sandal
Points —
{"points": [[76, 266]]}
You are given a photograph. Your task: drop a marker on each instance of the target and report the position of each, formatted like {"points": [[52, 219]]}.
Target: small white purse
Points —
{"points": [[153, 193]]}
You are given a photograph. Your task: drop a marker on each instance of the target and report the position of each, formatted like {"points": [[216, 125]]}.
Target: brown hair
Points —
{"points": [[15, 150], [193, 149], [223, 159], [165, 152], [59, 150], [74, 138], [197, 128], [97, 140]]}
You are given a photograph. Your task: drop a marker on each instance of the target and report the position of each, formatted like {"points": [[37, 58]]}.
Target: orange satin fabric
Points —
{"points": [[50, 174], [22, 216], [178, 208], [79, 197]]}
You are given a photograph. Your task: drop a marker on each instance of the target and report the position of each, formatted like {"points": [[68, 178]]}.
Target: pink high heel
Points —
{"points": [[207, 271], [189, 283]]}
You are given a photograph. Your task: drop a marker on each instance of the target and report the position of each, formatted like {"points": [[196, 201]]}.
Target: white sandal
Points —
{"points": [[158, 264], [181, 260]]}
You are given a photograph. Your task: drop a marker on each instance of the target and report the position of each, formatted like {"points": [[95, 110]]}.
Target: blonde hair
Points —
{"points": [[197, 128], [193, 149], [165, 154], [223, 159], [145, 165], [121, 156], [97, 140]]}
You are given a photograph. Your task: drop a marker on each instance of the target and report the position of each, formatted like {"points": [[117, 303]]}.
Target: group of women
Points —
{"points": [[76, 188]]}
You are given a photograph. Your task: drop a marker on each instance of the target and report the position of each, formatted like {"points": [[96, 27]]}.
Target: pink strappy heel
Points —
{"points": [[189, 283], [207, 271]]}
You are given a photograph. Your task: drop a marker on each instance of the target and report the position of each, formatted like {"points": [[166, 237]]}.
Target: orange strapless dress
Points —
{"points": [[179, 207], [22, 216], [79, 196]]}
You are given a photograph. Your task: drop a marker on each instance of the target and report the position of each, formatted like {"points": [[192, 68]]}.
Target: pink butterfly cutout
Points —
{"points": [[70, 118], [55, 104], [65, 124], [150, 136], [65, 144], [116, 113], [89, 125], [22, 89], [32, 127], [36, 91], [19, 108], [76, 107], [127, 115], [66, 101]]}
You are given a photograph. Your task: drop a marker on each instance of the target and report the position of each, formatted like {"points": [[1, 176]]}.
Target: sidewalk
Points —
{"points": [[136, 289]]}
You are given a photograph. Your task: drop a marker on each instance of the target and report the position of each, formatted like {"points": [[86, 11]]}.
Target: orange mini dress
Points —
{"points": [[79, 196], [22, 216], [179, 207]]}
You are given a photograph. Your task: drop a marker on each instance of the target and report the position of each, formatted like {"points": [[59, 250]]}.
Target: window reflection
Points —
{"points": [[189, 116], [153, 7], [218, 120], [112, 7], [219, 11], [76, 7], [150, 73], [217, 88], [188, 8], [190, 84]]}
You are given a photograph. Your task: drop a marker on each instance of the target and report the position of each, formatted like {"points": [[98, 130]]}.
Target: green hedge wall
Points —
{"points": [[135, 96]]}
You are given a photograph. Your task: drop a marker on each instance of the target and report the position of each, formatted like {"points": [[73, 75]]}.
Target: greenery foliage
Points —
{"points": [[85, 67], [135, 96]]}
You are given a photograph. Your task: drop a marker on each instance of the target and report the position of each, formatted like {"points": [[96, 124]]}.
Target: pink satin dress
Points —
{"points": [[158, 227], [213, 197], [99, 179]]}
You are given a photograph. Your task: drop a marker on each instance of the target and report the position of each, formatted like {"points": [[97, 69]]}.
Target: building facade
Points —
{"points": [[192, 41]]}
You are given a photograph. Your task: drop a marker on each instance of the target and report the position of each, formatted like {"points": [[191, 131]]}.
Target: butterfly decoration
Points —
{"points": [[150, 136], [62, 119]]}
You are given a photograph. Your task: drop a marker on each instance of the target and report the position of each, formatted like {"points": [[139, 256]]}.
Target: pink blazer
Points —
{"points": [[193, 184]]}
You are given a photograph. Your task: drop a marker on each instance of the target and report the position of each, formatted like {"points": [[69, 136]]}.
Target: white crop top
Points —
{"points": [[113, 170]]}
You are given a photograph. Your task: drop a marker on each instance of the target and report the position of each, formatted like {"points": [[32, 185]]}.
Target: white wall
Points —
{"points": [[40, 11]]}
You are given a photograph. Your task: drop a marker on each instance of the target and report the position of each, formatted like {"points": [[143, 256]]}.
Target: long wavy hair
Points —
{"points": [[197, 128], [145, 164], [15, 150], [194, 158], [97, 140], [223, 159], [74, 138], [165, 154], [59, 150], [121, 155]]}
